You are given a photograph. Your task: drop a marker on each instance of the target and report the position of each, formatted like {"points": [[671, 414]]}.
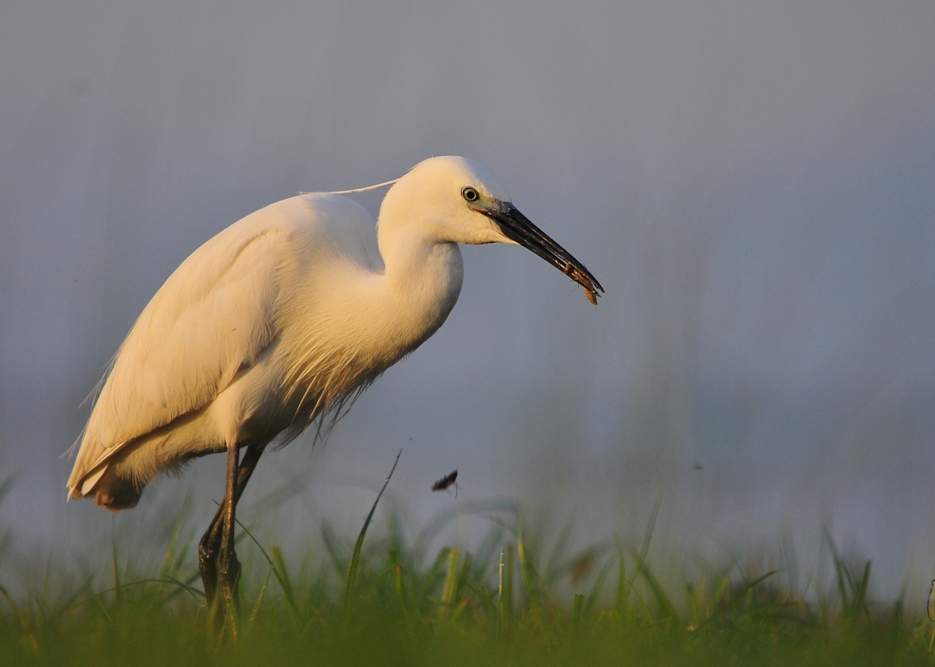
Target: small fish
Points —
{"points": [[578, 277], [446, 481]]}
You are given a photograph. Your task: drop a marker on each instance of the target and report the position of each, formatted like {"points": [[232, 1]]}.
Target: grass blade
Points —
{"points": [[353, 568], [528, 572], [577, 613], [282, 576], [450, 589], [505, 597], [115, 568]]}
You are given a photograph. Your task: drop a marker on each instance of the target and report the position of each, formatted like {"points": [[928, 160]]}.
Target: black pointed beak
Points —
{"points": [[517, 227]]}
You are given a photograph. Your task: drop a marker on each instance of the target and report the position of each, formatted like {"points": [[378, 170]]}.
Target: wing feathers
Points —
{"points": [[214, 317], [210, 319]]}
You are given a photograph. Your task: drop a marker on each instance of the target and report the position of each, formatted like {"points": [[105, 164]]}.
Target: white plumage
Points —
{"points": [[283, 317]]}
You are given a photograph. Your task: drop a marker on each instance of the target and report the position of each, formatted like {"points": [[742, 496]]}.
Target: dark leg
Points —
{"points": [[228, 565], [212, 544]]}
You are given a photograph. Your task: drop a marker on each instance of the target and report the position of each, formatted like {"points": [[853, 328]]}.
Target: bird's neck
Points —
{"points": [[421, 283]]}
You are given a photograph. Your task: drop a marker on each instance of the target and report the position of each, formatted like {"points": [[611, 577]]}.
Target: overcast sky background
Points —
{"points": [[753, 184]]}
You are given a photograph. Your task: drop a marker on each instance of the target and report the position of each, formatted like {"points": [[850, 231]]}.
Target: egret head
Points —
{"points": [[459, 200]]}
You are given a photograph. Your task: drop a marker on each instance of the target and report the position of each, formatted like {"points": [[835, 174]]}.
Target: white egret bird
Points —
{"points": [[282, 319]]}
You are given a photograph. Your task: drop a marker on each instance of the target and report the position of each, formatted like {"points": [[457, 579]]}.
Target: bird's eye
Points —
{"points": [[470, 194]]}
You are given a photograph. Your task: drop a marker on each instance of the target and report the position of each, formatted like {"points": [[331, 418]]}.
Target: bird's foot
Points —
{"points": [[220, 575], [228, 573], [207, 564]]}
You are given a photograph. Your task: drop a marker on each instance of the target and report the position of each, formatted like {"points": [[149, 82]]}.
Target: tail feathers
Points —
{"points": [[91, 480], [111, 491], [121, 495]]}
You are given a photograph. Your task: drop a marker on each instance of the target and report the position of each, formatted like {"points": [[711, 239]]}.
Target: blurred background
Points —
{"points": [[753, 184]]}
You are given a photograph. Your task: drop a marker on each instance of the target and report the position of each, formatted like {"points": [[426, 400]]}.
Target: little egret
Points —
{"points": [[281, 320]]}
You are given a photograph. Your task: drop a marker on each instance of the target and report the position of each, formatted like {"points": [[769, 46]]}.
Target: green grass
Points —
{"points": [[390, 601]]}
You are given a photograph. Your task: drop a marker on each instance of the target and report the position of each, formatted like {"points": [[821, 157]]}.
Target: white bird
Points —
{"points": [[282, 319]]}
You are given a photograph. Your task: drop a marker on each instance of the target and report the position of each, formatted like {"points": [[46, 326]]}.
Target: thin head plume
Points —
{"points": [[367, 188]]}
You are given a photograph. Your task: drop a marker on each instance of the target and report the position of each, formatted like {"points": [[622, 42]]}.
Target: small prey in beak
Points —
{"points": [[519, 229]]}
